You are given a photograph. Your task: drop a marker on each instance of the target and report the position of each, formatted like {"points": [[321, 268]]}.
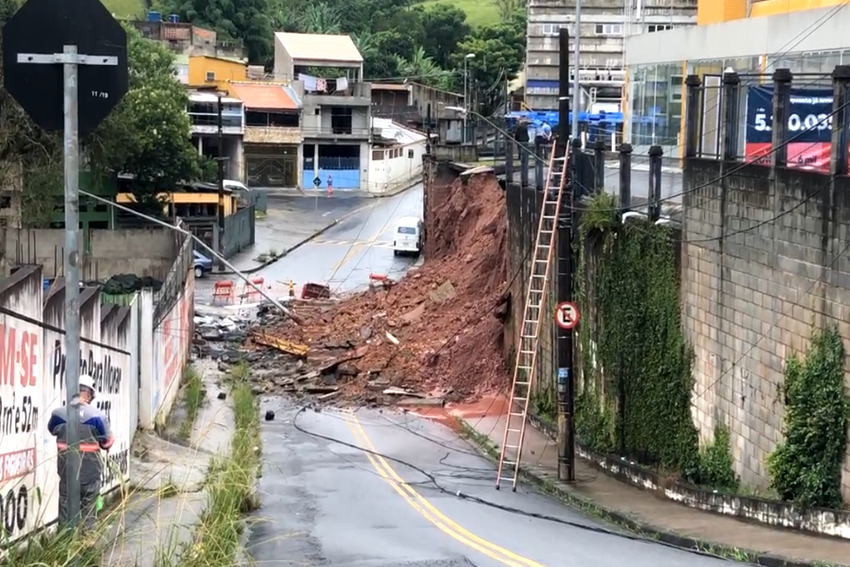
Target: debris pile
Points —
{"points": [[435, 336]]}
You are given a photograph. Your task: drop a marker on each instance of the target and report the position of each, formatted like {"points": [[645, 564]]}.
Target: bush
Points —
{"points": [[806, 468], [716, 468]]}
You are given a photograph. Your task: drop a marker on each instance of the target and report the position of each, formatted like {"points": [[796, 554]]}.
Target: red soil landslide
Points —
{"points": [[450, 341]]}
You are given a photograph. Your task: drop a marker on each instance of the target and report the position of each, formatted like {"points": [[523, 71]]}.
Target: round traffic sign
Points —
{"points": [[566, 315]]}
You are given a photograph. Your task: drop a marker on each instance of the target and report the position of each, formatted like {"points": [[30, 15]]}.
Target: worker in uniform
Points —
{"points": [[95, 436]]}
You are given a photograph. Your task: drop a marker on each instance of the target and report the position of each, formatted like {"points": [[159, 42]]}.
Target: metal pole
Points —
{"points": [[576, 60], [563, 91], [72, 284], [220, 183], [465, 97]]}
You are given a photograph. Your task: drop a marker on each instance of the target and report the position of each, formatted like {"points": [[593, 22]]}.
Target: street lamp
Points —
{"points": [[466, 92]]}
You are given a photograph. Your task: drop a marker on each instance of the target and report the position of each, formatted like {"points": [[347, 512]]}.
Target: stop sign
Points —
{"points": [[41, 28]]}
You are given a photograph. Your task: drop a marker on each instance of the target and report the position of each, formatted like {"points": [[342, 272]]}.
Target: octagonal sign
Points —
{"points": [[44, 27]]}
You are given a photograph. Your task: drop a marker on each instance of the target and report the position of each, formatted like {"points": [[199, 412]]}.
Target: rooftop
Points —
{"points": [[319, 47], [260, 96]]}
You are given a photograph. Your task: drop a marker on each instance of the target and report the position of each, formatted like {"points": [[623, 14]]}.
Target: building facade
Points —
{"points": [[604, 26], [326, 72], [753, 37]]}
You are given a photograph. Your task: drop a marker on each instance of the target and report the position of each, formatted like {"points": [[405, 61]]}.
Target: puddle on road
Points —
{"points": [[494, 405]]}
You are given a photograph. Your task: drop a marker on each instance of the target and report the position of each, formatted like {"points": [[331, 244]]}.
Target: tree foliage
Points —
{"points": [[249, 21], [148, 135]]}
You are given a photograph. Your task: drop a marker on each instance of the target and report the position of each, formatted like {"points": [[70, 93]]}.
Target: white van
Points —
{"points": [[408, 236]]}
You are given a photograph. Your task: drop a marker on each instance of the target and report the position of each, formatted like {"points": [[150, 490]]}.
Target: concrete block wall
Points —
{"points": [[523, 212], [753, 289]]}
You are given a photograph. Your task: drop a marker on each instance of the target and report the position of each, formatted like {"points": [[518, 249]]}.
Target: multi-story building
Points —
{"points": [[604, 25], [747, 36], [203, 113], [187, 40], [326, 72]]}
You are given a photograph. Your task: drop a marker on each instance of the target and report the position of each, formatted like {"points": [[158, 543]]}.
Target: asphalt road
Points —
{"points": [[324, 503], [347, 253]]}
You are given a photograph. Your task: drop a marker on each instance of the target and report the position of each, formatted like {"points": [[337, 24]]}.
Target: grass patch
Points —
{"points": [[126, 9], [478, 12], [193, 399], [230, 485]]}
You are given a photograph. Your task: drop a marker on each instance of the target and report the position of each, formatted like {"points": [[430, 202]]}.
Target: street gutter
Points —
{"points": [[549, 484]]}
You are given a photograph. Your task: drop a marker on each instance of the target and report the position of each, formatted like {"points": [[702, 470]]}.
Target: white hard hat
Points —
{"points": [[88, 382]]}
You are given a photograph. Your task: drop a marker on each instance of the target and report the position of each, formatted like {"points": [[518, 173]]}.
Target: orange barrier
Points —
{"points": [[224, 291], [250, 292], [377, 277]]}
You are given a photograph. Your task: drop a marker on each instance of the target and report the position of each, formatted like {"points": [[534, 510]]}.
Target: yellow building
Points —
{"points": [[215, 72], [753, 37]]}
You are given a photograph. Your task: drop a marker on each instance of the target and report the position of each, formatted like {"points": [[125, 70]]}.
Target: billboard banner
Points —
{"points": [[809, 126]]}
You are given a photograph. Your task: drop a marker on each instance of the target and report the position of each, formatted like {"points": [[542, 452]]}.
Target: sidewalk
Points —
{"points": [[168, 496], [600, 494]]}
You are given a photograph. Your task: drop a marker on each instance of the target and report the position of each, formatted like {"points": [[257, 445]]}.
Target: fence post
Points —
{"points": [[731, 93], [692, 115], [654, 193], [576, 168], [510, 148], [840, 119], [524, 150], [599, 166], [781, 102], [625, 177], [538, 166]]}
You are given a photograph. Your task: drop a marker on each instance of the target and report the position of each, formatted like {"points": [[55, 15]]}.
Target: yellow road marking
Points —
{"points": [[442, 526], [430, 512]]}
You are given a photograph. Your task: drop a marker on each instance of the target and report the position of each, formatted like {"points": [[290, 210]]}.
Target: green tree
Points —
{"points": [[148, 135], [499, 52], [422, 69], [320, 18], [443, 28], [249, 21]]}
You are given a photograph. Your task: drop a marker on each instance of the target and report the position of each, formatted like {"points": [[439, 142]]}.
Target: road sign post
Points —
{"points": [[41, 36]]}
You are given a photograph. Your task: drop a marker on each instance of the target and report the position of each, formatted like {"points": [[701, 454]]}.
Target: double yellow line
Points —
{"points": [[426, 509]]}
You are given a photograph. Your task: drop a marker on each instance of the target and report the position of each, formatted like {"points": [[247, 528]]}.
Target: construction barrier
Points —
{"points": [[250, 292], [223, 291]]}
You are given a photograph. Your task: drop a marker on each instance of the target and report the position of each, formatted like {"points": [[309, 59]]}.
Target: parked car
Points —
{"points": [[409, 235], [202, 264]]}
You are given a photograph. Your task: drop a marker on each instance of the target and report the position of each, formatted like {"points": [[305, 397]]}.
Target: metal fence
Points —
{"points": [[239, 231]]}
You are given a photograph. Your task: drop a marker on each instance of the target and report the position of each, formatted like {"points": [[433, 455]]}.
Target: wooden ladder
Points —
{"points": [[532, 319]]}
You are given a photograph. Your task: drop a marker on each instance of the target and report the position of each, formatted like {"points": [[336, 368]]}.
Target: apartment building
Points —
{"points": [[604, 26]]}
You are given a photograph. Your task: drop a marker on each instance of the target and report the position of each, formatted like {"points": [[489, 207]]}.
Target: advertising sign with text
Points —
{"points": [[21, 418], [809, 126]]}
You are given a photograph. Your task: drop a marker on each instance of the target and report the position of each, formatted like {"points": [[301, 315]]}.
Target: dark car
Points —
{"points": [[202, 264]]}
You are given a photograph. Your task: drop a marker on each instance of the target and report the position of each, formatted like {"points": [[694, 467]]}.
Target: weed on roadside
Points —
{"points": [[193, 399], [230, 485]]}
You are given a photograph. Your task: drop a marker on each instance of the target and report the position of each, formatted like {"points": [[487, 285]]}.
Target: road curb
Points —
{"points": [[645, 529]]}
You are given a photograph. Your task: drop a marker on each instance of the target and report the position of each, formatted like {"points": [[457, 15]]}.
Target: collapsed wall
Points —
{"points": [[443, 314]]}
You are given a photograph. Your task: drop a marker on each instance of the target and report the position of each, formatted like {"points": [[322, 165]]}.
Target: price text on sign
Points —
{"points": [[796, 123], [566, 315]]}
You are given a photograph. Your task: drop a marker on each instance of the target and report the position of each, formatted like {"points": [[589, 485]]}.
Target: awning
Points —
{"points": [[263, 97]]}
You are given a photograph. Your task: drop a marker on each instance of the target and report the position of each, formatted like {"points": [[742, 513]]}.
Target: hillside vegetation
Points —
{"points": [[478, 12]]}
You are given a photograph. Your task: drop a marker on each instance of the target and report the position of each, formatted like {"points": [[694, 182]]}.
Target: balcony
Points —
{"points": [[337, 133], [357, 94], [272, 135], [203, 114]]}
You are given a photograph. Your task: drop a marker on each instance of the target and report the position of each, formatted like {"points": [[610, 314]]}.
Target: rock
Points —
{"points": [[365, 332], [347, 369]]}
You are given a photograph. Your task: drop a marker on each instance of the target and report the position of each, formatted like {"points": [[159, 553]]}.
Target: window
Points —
{"points": [[341, 120], [377, 155], [551, 29], [609, 29], [210, 76], [659, 27], [406, 230]]}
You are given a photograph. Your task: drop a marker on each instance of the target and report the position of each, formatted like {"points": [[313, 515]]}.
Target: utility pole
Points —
{"points": [[221, 158], [576, 60], [72, 282], [566, 428]]}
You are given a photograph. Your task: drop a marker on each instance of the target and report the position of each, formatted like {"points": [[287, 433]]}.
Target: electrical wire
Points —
{"points": [[431, 479]]}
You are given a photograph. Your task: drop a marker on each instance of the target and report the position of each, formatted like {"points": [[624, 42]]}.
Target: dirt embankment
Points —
{"points": [[443, 315]]}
